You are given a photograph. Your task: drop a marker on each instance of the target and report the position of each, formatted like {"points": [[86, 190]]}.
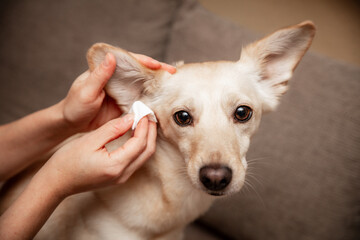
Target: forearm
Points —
{"points": [[29, 212], [24, 140], [81, 165]]}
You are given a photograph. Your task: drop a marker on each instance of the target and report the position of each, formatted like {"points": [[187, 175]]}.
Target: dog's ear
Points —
{"points": [[275, 57], [128, 81]]}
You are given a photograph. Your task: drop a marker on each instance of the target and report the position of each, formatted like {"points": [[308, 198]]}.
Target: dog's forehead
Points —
{"points": [[207, 72], [214, 73], [211, 79]]}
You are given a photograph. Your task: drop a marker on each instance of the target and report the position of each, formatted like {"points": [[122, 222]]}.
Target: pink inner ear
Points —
{"points": [[281, 51], [279, 68], [275, 57]]}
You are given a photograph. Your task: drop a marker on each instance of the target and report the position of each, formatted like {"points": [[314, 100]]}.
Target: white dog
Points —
{"points": [[207, 113]]}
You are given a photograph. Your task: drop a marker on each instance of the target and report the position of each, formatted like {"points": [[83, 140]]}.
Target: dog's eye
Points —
{"points": [[243, 113], [182, 118]]}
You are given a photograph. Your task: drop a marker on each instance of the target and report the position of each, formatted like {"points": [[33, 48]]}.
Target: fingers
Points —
{"points": [[168, 68], [153, 64], [133, 147], [145, 155], [110, 131], [147, 61], [100, 76]]}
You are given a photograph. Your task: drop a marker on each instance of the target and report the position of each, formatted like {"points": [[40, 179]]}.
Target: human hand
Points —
{"points": [[86, 107], [85, 164], [153, 64]]}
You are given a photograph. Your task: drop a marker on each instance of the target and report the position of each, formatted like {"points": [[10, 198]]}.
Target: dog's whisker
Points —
{"points": [[256, 178], [256, 193], [257, 161], [245, 188]]}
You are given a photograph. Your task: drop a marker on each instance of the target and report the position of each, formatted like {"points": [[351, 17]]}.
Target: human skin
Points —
{"points": [[85, 108], [82, 164]]}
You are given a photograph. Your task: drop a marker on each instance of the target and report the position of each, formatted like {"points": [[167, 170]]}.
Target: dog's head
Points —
{"points": [[210, 110]]}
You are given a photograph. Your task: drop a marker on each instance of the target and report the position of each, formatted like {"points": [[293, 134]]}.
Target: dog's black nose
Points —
{"points": [[215, 177]]}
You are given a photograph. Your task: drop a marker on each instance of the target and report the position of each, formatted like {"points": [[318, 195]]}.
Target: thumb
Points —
{"points": [[101, 75], [110, 131]]}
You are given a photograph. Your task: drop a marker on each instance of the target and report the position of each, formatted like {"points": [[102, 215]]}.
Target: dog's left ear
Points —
{"points": [[130, 78], [275, 57]]}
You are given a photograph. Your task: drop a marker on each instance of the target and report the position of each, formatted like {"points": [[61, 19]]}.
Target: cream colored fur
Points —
{"points": [[160, 199]]}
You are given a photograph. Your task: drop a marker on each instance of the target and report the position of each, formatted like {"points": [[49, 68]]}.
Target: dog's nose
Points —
{"points": [[215, 177]]}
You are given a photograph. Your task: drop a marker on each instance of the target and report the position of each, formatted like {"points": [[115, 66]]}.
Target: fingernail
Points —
{"points": [[107, 60], [172, 69], [169, 68]]}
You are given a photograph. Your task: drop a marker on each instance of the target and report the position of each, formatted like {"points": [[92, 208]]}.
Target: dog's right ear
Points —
{"points": [[128, 81]]}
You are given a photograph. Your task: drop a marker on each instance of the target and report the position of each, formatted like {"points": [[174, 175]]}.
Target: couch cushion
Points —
{"points": [[198, 35], [304, 174], [43, 44]]}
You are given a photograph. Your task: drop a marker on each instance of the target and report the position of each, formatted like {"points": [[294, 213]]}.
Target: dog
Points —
{"points": [[207, 113]]}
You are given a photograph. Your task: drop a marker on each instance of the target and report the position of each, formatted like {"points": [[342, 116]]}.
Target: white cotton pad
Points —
{"points": [[140, 110]]}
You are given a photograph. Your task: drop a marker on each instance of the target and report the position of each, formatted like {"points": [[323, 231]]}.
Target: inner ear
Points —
{"points": [[275, 57], [128, 81]]}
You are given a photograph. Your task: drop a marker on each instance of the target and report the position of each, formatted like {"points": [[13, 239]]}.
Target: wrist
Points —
{"points": [[49, 183], [35, 205]]}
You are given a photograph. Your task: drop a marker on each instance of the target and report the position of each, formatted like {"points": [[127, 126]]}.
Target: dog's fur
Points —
{"points": [[166, 194]]}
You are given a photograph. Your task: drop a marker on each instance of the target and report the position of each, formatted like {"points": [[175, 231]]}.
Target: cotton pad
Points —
{"points": [[140, 110]]}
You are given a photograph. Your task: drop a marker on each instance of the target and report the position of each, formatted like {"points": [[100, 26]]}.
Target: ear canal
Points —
{"points": [[127, 83], [276, 56]]}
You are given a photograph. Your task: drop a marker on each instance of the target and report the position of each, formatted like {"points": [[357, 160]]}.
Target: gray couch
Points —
{"points": [[304, 160]]}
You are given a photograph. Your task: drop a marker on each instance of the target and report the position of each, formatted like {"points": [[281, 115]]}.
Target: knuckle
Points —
{"points": [[83, 96], [152, 149], [122, 180], [113, 128], [113, 171], [116, 124], [142, 145]]}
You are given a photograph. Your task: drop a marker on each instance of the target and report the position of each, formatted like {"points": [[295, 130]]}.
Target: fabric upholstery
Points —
{"points": [[43, 44]]}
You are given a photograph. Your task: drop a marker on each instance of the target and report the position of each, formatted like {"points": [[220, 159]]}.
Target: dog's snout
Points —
{"points": [[215, 177]]}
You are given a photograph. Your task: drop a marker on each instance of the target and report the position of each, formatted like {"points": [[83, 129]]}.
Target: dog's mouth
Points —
{"points": [[214, 193]]}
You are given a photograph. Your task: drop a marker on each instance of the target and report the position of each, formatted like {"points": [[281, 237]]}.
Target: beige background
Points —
{"points": [[337, 21]]}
